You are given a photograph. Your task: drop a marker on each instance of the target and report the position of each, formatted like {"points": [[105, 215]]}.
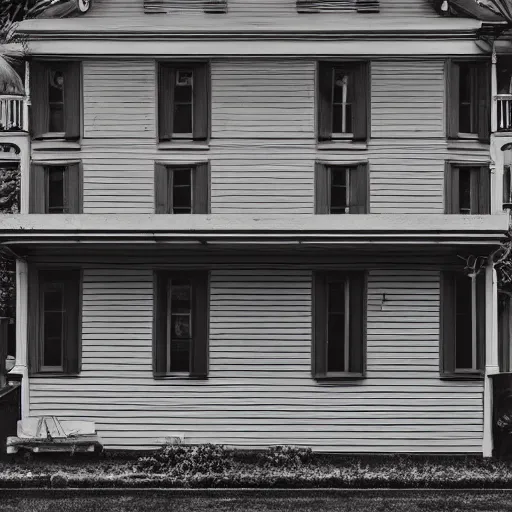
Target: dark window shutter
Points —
{"points": [[37, 201], [201, 110], [357, 327], [199, 353], [74, 172], [200, 184], [447, 322], [40, 108], [358, 192], [319, 349], [160, 324], [360, 113], [166, 81], [483, 102], [480, 319], [451, 189], [324, 101], [72, 99], [161, 189], [452, 89], [322, 182], [73, 327]]}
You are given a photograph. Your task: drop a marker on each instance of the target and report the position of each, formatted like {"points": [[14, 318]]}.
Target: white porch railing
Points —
{"points": [[504, 111], [11, 113]]}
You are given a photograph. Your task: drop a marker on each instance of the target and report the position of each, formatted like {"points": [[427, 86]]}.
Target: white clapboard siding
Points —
{"points": [[271, 99], [260, 391], [116, 8], [119, 99], [407, 99]]}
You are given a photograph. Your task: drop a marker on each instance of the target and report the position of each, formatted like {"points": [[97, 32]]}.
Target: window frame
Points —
{"points": [[357, 323], [73, 183], [448, 339], [201, 100], [199, 345], [360, 70], [358, 185], [200, 187], [71, 278], [480, 187], [72, 100]]}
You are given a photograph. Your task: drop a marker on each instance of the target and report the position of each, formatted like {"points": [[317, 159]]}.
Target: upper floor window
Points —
{"points": [[463, 324], [181, 324], [56, 188], [56, 92], [467, 189], [469, 100], [339, 324], [343, 100], [181, 189], [54, 321], [341, 189], [183, 101]]}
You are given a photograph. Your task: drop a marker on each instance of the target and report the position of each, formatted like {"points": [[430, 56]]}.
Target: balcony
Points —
{"points": [[12, 113]]}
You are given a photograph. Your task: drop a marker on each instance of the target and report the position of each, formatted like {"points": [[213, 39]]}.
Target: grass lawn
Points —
{"points": [[375, 501]]}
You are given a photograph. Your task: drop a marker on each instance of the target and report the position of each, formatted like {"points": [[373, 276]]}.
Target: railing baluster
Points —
{"points": [[11, 113]]}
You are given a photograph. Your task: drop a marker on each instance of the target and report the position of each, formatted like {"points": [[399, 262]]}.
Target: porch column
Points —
{"points": [[21, 368], [491, 353], [494, 90]]}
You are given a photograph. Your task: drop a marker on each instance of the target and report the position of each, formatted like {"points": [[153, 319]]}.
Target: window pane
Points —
{"points": [[466, 101], [181, 325], [465, 190], [465, 83], [341, 85], [182, 118], [342, 118], [53, 326], [336, 327], [56, 195], [183, 94], [182, 191], [180, 356], [465, 118], [56, 100], [463, 323]]}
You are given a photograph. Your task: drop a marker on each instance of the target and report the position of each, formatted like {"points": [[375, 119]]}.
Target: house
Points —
{"points": [[242, 222]]}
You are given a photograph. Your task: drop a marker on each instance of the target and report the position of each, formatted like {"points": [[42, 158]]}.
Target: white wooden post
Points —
{"points": [[491, 353], [494, 91], [26, 103], [21, 367], [24, 145]]}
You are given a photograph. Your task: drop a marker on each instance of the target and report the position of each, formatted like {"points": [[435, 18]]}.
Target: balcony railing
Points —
{"points": [[11, 113]]}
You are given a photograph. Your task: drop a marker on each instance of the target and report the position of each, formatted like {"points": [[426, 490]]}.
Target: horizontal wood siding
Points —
{"points": [[119, 99], [407, 99], [260, 390], [263, 99]]}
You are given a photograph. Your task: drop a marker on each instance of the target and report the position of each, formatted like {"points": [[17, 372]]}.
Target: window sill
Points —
{"points": [[189, 145], [341, 144], [462, 376], [333, 376], [54, 375], [55, 143], [469, 143], [178, 376]]}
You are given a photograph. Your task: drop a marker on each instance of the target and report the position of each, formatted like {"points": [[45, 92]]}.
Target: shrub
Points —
{"points": [[59, 479], [285, 457], [177, 459]]}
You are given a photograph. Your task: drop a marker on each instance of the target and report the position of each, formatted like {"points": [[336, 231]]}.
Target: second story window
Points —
{"points": [[341, 189], [469, 100], [467, 189], [181, 189], [56, 99], [56, 188], [183, 106], [343, 100]]}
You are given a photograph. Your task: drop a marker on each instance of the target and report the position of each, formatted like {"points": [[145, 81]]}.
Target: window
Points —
{"points": [[55, 321], [341, 189], [467, 189], [463, 324], [339, 332], [469, 97], [56, 93], [183, 111], [56, 188], [507, 187], [343, 100], [181, 189], [181, 324]]}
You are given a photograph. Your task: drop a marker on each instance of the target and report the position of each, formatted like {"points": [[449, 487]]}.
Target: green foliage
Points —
{"points": [[178, 459], [285, 457]]}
